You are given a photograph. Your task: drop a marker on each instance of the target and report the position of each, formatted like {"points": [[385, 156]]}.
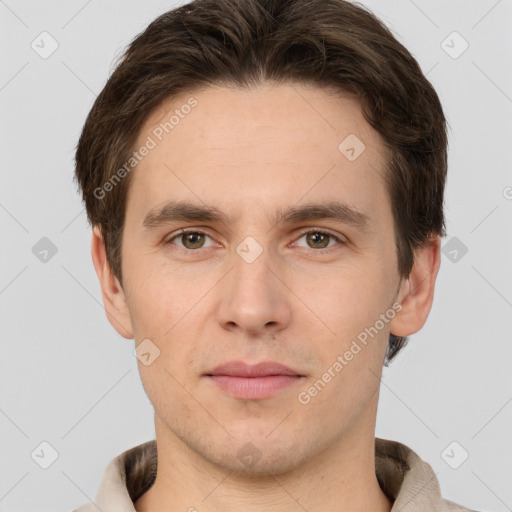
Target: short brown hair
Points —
{"points": [[330, 43]]}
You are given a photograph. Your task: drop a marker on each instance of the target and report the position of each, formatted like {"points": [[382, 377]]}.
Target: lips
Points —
{"points": [[241, 369], [253, 382]]}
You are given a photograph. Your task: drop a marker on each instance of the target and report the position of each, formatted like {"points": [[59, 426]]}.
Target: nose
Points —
{"points": [[255, 296]]}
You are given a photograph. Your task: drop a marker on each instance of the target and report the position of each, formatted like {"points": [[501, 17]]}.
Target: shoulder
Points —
{"points": [[125, 478], [408, 480]]}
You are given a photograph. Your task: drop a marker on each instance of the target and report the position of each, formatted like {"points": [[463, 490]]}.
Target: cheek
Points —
{"points": [[163, 386], [157, 298], [351, 359], [350, 299], [168, 311]]}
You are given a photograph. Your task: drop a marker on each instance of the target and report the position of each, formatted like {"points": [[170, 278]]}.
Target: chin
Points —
{"points": [[259, 455]]}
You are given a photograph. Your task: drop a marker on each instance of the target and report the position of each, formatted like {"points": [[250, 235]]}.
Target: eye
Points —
{"points": [[319, 240], [190, 239]]}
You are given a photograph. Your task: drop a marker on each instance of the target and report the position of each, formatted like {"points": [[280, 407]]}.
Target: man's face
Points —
{"points": [[256, 288]]}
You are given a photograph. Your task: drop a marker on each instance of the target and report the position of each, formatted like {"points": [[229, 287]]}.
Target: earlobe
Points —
{"points": [[417, 292], [114, 299]]}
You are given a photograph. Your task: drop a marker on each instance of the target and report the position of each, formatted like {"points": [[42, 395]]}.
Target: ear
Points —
{"points": [[112, 292], [416, 293]]}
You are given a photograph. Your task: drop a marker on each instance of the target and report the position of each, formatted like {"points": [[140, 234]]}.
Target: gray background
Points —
{"points": [[69, 379]]}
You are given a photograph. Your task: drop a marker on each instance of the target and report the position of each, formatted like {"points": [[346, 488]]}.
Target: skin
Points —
{"points": [[248, 152]]}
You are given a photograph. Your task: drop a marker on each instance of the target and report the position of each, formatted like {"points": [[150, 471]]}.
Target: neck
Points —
{"points": [[341, 478]]}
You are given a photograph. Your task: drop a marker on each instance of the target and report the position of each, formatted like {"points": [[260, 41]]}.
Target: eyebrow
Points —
{"points": [[186, 211]]}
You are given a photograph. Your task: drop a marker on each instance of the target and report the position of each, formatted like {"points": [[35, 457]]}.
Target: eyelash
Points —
{"points": [[306, 232]]}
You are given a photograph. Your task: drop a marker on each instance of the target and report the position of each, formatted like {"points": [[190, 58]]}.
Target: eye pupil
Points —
{"points": [[318, 237], [189, 236]]}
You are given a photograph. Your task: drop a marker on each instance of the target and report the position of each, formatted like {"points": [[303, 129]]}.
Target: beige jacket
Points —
{"points": [[407, 480]]}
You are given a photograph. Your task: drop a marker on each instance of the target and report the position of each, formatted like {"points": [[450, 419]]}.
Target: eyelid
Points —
{"points": [[184, 231], [325, 231]]}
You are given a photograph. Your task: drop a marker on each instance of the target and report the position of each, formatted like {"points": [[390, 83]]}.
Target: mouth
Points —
{"points": [[253, 382]]}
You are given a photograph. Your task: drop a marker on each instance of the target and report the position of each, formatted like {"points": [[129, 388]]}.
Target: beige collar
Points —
{"points": [[404, 477]]}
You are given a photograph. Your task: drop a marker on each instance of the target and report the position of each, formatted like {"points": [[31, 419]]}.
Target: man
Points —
{"points": [[265, 183]]}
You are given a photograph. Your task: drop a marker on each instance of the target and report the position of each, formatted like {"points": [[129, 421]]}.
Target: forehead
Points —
{"points": [[239, 148]]}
